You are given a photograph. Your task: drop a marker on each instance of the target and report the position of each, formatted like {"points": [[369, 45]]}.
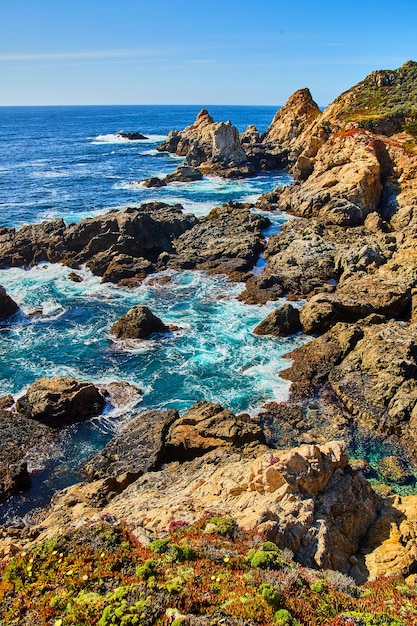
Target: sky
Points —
{"points": [[62, 52]]}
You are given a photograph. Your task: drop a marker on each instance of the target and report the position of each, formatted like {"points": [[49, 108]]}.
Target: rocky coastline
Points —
{"points": [[349, 253]]}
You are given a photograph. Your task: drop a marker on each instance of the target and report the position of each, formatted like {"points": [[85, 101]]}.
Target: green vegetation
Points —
{"points": [[101, 575], [386, 101]]}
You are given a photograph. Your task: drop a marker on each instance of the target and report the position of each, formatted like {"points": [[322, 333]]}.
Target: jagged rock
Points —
{"points": [[156, 438], [75, 278], [137, 449], [216, 145], [138, 323], [391, 546], [292, 119], [345, 185], [207, 426], [250, 136], [183, 174], [261, 289], [135, 233], [132, 136], [60, 400], [281, 322], [228, 240], [8, 306], [18, 435], [306, 499]]}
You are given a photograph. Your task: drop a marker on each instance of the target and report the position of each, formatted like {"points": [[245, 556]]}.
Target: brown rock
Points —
{"points": [[138, 323], [207, 426], [281, 322], [60, 400]]}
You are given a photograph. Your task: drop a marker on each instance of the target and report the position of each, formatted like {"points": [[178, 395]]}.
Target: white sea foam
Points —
{"points": [[116, 138]]}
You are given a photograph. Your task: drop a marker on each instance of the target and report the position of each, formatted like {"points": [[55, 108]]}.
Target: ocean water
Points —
{"points": [[69, 162]]}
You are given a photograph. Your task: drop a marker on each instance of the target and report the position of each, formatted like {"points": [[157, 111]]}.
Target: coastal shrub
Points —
{"points": [[225, 526], [147, 570], [319, 586], [267, 557], [341, 582], [411, 127], [284, 618], [375, 619], [160, 546], [271, 594], [183, 553]]}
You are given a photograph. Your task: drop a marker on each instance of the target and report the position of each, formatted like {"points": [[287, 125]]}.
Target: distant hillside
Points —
{"points": [[384, 102]]}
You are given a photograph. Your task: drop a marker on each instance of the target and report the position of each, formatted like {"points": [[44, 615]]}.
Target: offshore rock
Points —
{"points": [[60, 400], [8, 306], [183, 174], [131, 136], [281, 322], [228, 240], [138, 323], [214, 145]]}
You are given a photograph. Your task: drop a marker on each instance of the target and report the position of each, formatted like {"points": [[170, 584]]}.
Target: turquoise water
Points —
{"points": [[68, 162]]}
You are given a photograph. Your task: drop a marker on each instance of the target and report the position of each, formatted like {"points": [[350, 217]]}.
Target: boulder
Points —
{"points": [[281, 322], [60, 400], [138, 323], [8, 306]]}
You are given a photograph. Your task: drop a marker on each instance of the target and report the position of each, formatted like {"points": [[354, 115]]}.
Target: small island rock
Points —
{"points": [[60, 400], [138, 323]]}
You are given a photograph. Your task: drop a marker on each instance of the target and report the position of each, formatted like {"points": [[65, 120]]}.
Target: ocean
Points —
{"points": [[69, 162]]}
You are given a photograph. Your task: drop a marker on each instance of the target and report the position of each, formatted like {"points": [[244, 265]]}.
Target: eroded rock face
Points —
{"points": [[8, 306], [289, 122], [138, 323], [183, 174], [344, 186], [60, 400]]}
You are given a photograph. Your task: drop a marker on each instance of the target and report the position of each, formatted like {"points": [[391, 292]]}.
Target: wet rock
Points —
{"points": [[8, 306], [131, 136], [135, 233], [230, 233], [121, 394], [75, 278], [183, 174], [281, 322], [60, 400], [261, 289], [138, 323]]}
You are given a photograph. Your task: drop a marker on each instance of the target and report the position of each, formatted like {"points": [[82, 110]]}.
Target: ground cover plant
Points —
{"points": [[207, 573]]}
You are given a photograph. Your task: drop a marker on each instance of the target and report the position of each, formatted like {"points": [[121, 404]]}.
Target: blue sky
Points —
{"points": [[191, 52]]}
